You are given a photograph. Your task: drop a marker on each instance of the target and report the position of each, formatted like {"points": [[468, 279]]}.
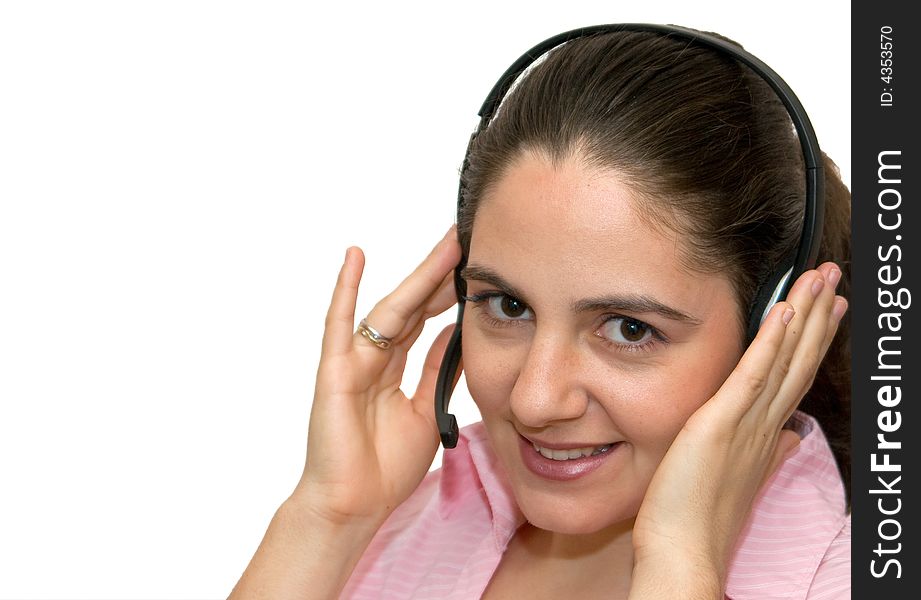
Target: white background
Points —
{"points": [[178, 184]]}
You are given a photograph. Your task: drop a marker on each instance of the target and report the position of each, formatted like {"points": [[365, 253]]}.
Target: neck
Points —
{"points": [[603, 559], [616, 539]]}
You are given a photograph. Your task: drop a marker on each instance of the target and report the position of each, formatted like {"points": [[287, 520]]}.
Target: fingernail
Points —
{"points": [[839, 308], [834, 277], [788, 316], [817, 286], [450, 232]]}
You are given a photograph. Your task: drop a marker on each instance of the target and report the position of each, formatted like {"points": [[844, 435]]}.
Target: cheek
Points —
{"points": [[489, 372], [650, 412], [651, 408]]}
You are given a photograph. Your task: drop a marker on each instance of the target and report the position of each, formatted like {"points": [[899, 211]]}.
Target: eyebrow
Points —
{"points": [[634, 303]]}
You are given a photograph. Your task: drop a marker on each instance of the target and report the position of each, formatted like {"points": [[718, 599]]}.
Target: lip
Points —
{"points": [[562, 470]]}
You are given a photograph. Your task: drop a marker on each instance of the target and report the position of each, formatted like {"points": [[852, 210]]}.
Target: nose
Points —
{"points": [[551, 383]]}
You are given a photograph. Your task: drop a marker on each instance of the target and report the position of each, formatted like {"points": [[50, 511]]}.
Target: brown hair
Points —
{"points": [[711, 153]]}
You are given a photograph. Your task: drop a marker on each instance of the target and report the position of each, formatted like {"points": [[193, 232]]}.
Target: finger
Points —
{"points": [[837, 313], [423, 398], [808, 288], [444, 297], [391, 315], [802, 297], [807, 355], [838, 310], [839, 307], [441, 300], [748, 380], [340, 318], [834, 319]]}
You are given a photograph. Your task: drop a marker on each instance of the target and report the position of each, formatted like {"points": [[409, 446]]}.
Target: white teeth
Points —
{"points": [[572, 452]]}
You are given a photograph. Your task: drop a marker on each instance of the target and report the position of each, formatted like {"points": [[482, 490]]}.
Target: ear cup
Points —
{"points": [[770, 293]]}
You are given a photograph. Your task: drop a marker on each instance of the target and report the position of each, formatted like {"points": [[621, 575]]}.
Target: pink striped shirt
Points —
{"points": [[447, 539]]}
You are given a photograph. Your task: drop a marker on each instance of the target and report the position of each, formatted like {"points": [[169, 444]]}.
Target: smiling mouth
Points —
{"points": [[571, 453]]}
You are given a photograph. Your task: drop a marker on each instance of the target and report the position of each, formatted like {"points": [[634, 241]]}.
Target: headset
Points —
{"points": [[771, 291]]}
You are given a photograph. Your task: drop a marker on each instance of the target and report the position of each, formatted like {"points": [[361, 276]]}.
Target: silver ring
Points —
{"points": [[374, 336]]}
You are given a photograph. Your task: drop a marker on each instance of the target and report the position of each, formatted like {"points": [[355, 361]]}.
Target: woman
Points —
{"points": [[618, 216]]}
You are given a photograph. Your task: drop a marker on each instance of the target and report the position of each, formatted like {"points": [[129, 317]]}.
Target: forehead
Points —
{"points": [[576, 227]]}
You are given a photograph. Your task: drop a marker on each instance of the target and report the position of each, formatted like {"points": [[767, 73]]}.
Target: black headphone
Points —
{"points": [[771, 291]]}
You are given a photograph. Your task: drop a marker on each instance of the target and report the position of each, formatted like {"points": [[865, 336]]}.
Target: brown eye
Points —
{"points": [[508, 308], [626, 332], [512, 307], [633, 331]]}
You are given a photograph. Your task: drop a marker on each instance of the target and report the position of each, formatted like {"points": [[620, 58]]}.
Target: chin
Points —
{"points": [[574, 517]]}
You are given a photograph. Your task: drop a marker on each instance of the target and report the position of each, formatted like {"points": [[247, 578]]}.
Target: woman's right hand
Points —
{"points": [[369, 445]]}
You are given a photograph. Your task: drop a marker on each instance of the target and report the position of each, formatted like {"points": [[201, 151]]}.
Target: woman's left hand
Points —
{"points": [[702, 492]]}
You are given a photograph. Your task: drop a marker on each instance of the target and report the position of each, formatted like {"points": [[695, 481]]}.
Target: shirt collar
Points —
{"points": [[798, 513], [472, 465]]}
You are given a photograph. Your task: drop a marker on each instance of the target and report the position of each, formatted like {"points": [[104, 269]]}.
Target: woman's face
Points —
{"points": [[584, 337]]}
